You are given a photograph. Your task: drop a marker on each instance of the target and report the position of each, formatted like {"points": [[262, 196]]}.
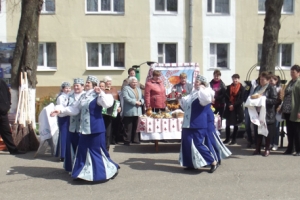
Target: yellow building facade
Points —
{"points": [[105, 38]]}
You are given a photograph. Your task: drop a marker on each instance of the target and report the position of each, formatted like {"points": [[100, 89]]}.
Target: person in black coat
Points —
{"points": [[234, 113], [5, 131], [220, 91], [267, 90], [249, 88]]}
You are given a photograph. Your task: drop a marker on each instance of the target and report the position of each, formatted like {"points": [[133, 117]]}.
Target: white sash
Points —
{"points": [[258, 119]]}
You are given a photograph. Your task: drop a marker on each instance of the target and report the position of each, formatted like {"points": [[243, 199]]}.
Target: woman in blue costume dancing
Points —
{"points": [[63, 121], [73, 134], [196, 149], [92, 161], [213, 134]]}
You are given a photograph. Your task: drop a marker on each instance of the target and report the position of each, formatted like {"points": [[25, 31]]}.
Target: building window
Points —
{"points": [[105, 6], [47, 56], [167, 53], [219, 55], [166, 5], [106, 55], [48, 6], [218, 6], [284, 57], [287, 7]]}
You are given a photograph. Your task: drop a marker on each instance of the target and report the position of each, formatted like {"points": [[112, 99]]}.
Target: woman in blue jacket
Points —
{"points": [[132, 109]]}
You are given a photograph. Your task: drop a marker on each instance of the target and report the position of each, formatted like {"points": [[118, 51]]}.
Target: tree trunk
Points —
{"points": [[270, 38], [25, 60]]}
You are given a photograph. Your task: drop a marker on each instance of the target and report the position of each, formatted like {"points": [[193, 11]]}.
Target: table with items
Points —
{"points": [[160, 126], [164, 126]]}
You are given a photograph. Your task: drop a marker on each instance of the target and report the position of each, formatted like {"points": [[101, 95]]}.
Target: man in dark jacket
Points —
{"points": [[5, 130]]}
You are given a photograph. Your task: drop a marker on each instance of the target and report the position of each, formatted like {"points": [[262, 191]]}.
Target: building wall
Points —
{"points": [[249, 33], [168, 28], [141, 28], [197, 34], [3, 22], [219, 29], [71, 29]]}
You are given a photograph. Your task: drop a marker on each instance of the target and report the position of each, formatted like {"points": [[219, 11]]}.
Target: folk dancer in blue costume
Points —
{"points": [[92, 161], [73, 133], [63, 121], [213, 134], [196, 149]]}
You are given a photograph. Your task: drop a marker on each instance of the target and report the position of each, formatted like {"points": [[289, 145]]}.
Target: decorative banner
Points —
{"points": [[171, 71], [6, 56]]}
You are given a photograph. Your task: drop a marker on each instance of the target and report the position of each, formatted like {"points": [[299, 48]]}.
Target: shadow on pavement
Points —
{"points": [[160, 165], [240, 149], [40, 172], [49, 173], [30, 156], [147, 148]]}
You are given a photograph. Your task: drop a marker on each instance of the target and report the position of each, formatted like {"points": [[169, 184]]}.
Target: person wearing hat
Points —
{"points": [[73, 133], [196, 149], [234, 112], [92, 161], [63, 121]]}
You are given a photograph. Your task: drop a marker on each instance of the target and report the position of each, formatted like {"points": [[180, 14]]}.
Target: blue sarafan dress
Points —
{"points": [[92, 161], [73, 134], [196, 149], [220, 149], [63, 125]]}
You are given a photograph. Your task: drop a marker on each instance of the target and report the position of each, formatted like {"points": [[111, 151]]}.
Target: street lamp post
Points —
{"points": [[137, 68]]}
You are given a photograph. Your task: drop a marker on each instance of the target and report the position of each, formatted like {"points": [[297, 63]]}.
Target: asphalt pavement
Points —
{"points": [[146, 174]]}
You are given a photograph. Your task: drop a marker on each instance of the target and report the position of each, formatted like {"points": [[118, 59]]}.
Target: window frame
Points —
{"points": [[100, 12], [165, 11], [163, 55], [279, 56], [45, 67], [105, 67], [213, 8], [216, 55], [44, 11], [282, 11]]}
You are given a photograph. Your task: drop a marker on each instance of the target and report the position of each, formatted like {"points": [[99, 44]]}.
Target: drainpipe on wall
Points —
{"points": [[191, 31]]}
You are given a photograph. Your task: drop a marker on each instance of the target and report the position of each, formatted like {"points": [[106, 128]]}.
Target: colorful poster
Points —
{"points": [[6, 57], [171, 71]]}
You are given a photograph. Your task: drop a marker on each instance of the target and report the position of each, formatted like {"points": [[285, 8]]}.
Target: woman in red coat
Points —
{"points": [[155, 93]]}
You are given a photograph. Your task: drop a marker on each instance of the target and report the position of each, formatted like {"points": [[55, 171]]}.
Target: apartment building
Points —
{"points": [[106, 37]]}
